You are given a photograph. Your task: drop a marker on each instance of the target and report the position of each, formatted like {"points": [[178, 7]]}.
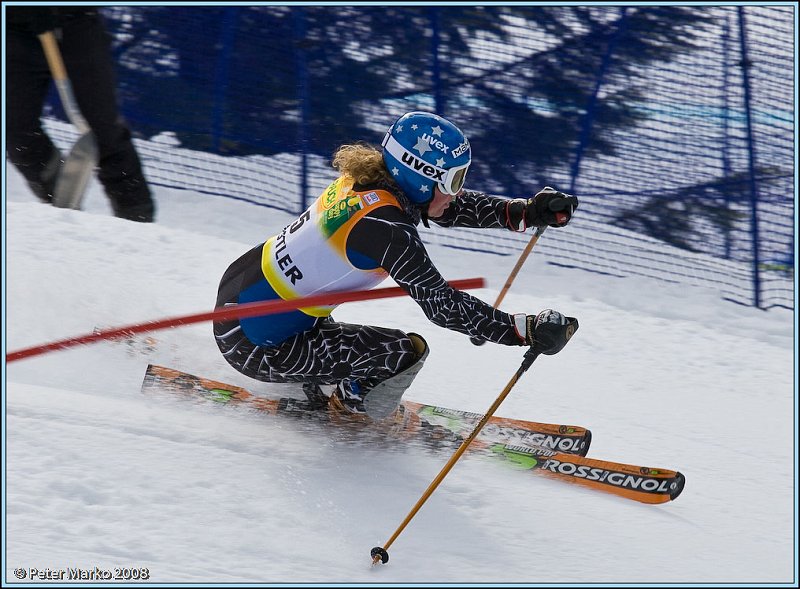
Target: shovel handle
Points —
{"points": [[53, 55]]}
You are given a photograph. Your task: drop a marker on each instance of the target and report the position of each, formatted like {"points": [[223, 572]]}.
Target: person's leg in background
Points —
{"points": [[27, 82], [86, 49]]}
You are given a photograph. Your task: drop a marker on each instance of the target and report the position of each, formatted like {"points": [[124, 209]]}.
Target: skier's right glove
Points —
{"points": [[548, 332]]}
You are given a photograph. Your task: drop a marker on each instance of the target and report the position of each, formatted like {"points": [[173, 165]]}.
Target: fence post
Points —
{"points": [[726, 133], [229, 18], [751, 159], [298, 14], [437, 73], [588, 120]]}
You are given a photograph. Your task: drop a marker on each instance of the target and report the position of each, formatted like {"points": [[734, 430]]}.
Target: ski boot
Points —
{"points": [[349, 397], [383, 399]]}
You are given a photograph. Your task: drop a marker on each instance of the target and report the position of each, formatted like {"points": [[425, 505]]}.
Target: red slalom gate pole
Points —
{"points": [[236, 311]]}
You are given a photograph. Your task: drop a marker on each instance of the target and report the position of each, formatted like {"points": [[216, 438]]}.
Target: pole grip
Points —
{"points": [[528, 359]]}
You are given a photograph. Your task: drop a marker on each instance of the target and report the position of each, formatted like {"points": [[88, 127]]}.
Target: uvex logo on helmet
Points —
{"points": [[435, 142], [423, 168]]}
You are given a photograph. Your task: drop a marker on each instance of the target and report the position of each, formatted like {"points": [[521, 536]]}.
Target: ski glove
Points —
{"points": [[548, 207], [548, 332]]}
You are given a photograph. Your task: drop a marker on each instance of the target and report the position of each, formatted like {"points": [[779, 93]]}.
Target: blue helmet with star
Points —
{"points": [[422, 150]]}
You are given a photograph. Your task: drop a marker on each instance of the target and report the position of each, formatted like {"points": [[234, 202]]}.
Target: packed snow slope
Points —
{"points": [[98, 475]]}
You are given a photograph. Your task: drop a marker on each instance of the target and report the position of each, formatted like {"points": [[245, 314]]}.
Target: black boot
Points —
{"points": [[44, 185]]}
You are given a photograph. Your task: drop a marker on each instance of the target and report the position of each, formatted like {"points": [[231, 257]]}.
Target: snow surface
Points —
{"points": [[99, 475]]}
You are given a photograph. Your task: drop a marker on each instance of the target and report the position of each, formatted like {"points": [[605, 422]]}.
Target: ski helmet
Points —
{"points": [[422, 150]]}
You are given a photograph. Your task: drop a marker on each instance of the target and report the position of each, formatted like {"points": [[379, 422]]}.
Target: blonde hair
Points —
{"points": [[362, 162]]}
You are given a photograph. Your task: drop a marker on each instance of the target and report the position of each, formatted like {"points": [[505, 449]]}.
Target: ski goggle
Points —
{"points": [[454, 179], [450, 181]]}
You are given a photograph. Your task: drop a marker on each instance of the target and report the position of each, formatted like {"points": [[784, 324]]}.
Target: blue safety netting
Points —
{"points": [[674, 125]]}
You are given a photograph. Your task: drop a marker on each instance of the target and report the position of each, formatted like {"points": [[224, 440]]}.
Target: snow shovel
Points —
{"points": [[78, 167]]}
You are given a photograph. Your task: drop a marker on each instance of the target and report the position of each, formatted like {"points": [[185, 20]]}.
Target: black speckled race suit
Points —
{"points": [[376, 232]]}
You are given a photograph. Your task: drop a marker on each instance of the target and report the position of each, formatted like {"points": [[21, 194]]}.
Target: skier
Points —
{"points": [[362, 229]]}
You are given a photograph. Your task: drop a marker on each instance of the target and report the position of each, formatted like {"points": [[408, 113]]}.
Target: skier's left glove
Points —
{"points": [[548, 207], [548, 332]]}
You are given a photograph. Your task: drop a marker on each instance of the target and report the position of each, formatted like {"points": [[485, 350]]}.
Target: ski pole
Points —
{"points": [[379, 553], [523, 256], [557, 204]]}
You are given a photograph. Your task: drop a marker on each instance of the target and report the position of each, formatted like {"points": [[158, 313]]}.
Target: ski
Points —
{"points": [[570, 439], [557, 451], [434, 426], [640, 483]]}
